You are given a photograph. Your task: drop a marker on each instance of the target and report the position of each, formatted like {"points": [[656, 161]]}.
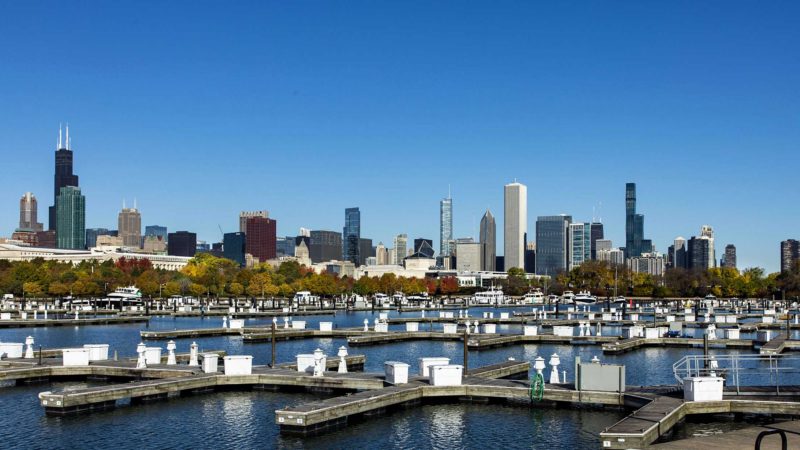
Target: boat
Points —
{"points": [[619, 300], [552, 298], [534, 297], [126, 293], [382, 301], [584, 298], [304, 298], [491, 297], [418, 298], [567, 297]]}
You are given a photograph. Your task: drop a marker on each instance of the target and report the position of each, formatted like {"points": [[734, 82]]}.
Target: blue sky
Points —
{"points": [[202, 109]]}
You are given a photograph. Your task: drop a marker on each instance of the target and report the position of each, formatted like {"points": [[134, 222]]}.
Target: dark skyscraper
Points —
{"points": [[233, 247], [92, 233], [182, 243], [424, 247], [325, 246], [156, 230], [552, 244], [729, 257], [699, 254], [351, 234], [790, 253], [262, 238], [365, 250], [488, 239], [635, 244], [63, 175], [596, 232]]}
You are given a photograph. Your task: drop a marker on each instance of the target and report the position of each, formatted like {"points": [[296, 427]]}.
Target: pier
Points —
{"points": [[25, 323]]}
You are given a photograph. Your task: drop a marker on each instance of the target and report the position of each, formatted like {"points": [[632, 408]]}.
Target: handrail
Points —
{"points": [[763, 434], [736, 367]]}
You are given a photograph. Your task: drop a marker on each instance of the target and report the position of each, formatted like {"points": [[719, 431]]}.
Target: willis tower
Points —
{"points": [[63, 176]]}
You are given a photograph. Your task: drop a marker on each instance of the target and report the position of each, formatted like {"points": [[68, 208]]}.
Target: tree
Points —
{"points": [[236, 289], [33, 289]]}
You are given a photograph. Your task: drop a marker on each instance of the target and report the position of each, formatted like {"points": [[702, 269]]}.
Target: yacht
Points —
{"points": [[126, 293], [567, 297], [619, 300], [382, 301], [419, 298], [585, 298], [534, 297], [304, 298], [552, 298], [491, 297]]}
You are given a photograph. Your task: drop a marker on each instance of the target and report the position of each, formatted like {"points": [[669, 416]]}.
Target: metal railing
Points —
{"points": [[742, 370]]}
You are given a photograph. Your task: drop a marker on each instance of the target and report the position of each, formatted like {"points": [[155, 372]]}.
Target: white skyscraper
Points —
{"points": [[515, 224], [400, 246]]}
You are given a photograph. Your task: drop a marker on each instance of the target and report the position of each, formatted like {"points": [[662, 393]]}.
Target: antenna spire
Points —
{"points": [[67, 143], [134, 202], [123, 203], [59, 136]]}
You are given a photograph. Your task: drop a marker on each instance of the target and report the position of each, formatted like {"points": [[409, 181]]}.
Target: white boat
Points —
{"points": [[491, 297], [619, 300], [126, 293], [382, 301], [567, 297], [534, 297], [399, 299], [305, 298], [418, 298], [552, 298], [585, 298]]}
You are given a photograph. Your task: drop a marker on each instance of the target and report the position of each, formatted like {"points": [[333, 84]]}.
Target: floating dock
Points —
{"points": [[19, 323]]}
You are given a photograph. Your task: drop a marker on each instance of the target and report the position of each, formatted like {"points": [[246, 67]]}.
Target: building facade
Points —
{"points": [[446, 242], [613, 256], [351, 235], [729, 258], [156, 230], [487, 236], [468, 256], [580, 244], [129, 227], [650, 263], [93, 233], [678, 254], [29, 213], [234, 247], [325, 246], [261, 238], [381, 255], [552, 244], [596, 234], [64, 175], [635, 243], [365, 250], [424, 247], [71, 219], [700, 253], [400, 248], [182, 243], [790, 254], [515, 224], [244, 215]]}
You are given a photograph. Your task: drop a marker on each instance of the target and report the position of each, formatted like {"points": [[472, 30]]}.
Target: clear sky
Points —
{"points": [[202, 109]]}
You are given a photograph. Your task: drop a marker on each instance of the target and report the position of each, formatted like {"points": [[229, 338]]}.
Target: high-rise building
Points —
{"points": [[500, 264], [596, 235], [400, 246], [446, 243], [129, 226], [580, 244], [515, 225], [424, 247], [182, 243], [708, 232], [285, 246], [365, 250], [635, 243], [613, 256], [63, 174], [381, 254], [93, 233], [700, 253], [154, 244], [552, 244], [71, 216], [28, 213], [603, 244], [488, 240], [650, 263], [729, 258], [468, 256], [156, 230], [244, 215], [233, 247], [351, 233], [325, 246], [530, 257], [790, 254], [261, 238], [678, 254]]}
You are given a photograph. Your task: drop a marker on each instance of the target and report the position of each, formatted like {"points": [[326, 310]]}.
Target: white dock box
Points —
{"points": [[11, 349], [412, 326], [489, 328], [450, 328], [652, 333], [210, 362], [97, 352], [152, 355], [768, 319], [326, 326], [732, 333], [305, 363], [76, 356], [5, 316], [238, 365], [448, 375], [702, 389], [298, 324], [236, 324], [732, 318], [425, 363], [396, 372], [504, 315], [530, 330], [383, 316], [689, 318], [562, 330]]}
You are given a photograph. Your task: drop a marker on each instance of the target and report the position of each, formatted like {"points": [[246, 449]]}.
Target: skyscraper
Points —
{"points": [[325, 246], [244, 215], [156, 230], [700, 253], [552, 244], [261, 238], [424, 247], [28, 213], [93, 233], [530, 257], [790, 254], [182, 243], [596, 234], [515, 224], [678, 254], [129, 226], [400, 246], [708, 232], [730, 257], [365, 250], [580, 244], [63, 174], [233, 247], [381, 255], [351, 233], [635, 243], [71, 218], [446, 242], [488, 240]]}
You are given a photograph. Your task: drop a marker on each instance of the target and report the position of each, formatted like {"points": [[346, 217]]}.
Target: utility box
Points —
{"points": [[412, 326], [238, 365], [152, 355], [449, 375], [564, 331], [676, 326], [599, 377], [450, 328], [732, 333], [703, 389], [326, 326], [97, 352], [489, 328], [210, 362], [305, 363], [530, 330], [76, 357], [396, 372], [298, 324], [11, 349], [504, 315], [425, 363], [236, 324]]}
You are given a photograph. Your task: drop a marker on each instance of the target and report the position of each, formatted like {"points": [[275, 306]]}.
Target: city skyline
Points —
{"points": [[517, 101]]}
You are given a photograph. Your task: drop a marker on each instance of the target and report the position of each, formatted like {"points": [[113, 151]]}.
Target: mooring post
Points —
{"points": [[466, 352], [273, 346], [705, 351], [40, 355]]}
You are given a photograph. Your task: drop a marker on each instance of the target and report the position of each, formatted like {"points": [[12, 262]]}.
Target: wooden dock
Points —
{"points": [[743, 439], [27, 323], [626, 345]]}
